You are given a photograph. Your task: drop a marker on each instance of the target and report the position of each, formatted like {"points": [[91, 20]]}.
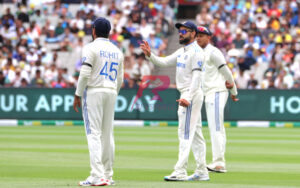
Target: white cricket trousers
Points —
{"points": [[98, 114], [190, 135], [215, 104]]}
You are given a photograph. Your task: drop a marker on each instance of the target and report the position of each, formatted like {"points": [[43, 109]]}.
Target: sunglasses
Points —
{"points": [[183, 31]]}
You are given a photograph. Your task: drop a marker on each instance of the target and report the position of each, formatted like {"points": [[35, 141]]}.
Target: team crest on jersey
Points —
{"points": [[200, 63], [186, 56], [83, 59]]}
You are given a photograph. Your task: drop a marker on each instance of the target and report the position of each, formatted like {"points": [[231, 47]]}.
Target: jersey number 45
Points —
{"points": [[111, 72]]}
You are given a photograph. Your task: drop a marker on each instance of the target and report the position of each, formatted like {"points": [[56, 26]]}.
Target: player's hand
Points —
{"points": [[146, 48], [234, 98], [229, 85], [183, 102], [76, 103]]}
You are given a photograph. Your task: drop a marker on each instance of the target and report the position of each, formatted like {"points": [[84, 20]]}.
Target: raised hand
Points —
{"points": [[146, 48]]}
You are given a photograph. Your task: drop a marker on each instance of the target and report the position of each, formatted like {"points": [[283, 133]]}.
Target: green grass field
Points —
{"points": [[58, 157]]}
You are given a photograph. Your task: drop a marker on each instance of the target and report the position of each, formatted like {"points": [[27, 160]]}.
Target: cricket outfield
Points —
{"points": [[52, 156]]}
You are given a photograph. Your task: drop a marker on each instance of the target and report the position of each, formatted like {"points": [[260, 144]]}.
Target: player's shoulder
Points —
{"points": [[213, 48], [215, 51], [196, 48], [87, 47], [117, 49]]}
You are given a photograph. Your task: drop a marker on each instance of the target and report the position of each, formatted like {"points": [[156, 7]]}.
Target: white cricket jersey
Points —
{"points": [[187, 59], [213, 80], [105, 66]]}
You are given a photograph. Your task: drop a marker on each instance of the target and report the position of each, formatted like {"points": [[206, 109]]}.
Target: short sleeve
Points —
{"points": [[217, 58], [87, 56]]}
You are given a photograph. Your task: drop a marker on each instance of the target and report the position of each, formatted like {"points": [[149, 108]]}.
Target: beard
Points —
{"points": [[184, 40]]}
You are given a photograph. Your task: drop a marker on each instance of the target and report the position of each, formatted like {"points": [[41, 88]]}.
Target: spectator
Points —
{"points": [[67, 35], [238, 41], [59, 29], [23, 16], [162, 23], [145, 29], [86, 6], [24, 83], [60, 82], [100, 9], [141, 68], [33, 32], [88, 27], [242, 79], [17, 80], [51, 74], [50, 35], [2, 79], [38, 18], [46, 57], [131, 83], [31, 56], [156, 44]]}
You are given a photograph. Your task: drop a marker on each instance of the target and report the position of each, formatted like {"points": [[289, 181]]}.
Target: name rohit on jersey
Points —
{"points": [[110, 55]]}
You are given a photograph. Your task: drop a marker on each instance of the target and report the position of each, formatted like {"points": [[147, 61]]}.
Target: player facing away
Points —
{"points": [[189, 62], [217, 78], [100, 80]]}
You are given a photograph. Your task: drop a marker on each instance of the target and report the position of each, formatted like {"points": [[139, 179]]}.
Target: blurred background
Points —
{"points": [[41, 43]]}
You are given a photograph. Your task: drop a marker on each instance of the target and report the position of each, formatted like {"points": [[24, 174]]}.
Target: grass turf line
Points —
{"points": [[58, 157]]}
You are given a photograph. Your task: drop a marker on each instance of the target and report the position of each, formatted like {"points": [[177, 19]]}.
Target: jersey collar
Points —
{"points": [[101, 38], [207, 46], [187, 47]]}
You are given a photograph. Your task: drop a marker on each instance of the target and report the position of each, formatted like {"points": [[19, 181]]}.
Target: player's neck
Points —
{"points": [[204, 45], [190, 42]]}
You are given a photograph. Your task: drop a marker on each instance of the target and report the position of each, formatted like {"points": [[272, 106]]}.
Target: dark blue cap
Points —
{"points": [[204, 30], [102, 25], [187, 24]]}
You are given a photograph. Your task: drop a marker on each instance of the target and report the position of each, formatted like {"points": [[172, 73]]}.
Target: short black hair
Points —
{"points": [[100, 34]]}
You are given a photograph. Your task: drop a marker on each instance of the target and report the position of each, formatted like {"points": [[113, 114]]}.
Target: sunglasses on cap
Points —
{"points": [[183, 31]]}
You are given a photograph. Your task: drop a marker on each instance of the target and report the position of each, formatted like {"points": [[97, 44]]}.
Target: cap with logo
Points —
{"points": [[187, 24], [204, 30]]}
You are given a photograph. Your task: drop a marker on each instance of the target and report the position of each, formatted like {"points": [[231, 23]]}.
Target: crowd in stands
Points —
{"points": [[260, 39], [25, 33]]}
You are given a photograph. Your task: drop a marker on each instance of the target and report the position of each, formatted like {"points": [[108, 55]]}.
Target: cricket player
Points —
{"points": [[189, 63], [217, 78], [100, 80]]}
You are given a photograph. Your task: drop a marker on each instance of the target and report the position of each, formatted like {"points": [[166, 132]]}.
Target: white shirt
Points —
{"points": [[242, 80], [100, 11], [143, 70], [102, 66], [187, 59], [213, 79]]}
